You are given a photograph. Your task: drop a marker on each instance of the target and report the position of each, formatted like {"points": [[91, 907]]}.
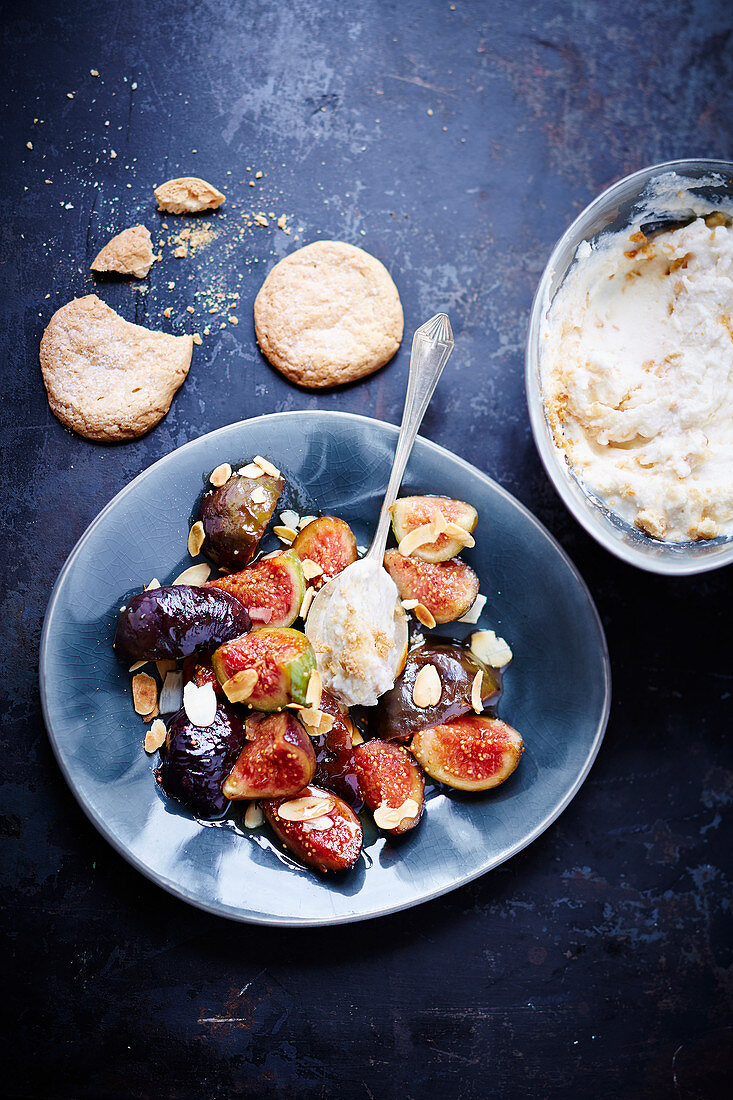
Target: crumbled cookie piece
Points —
{"points": [[129, 253], [187, 195], [108, 379], [328, 314]]}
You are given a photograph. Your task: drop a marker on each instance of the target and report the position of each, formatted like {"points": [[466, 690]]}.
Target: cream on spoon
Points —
{"points": [[356, 623]]}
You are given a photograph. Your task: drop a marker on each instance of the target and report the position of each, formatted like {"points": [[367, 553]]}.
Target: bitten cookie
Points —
{"points": [[108, 379], [328, 314], [187, 195], [129, 253]]}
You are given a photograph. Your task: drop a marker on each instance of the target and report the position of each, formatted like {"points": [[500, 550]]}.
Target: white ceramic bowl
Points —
{"points": [[611, 211]]}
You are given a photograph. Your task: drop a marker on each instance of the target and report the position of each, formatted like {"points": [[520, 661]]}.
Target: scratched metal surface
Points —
{"points": [[455, 141]]}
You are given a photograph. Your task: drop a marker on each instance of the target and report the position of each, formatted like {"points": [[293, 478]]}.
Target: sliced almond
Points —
{"points": [[304, 521], [153, 714], [424, 616], [490, 649], [410, 605], [136, 666], [220, 475], [195, 575], [428, 687], [144, 693], [419, 536], [289, 518], [285, 534], [196, 537], [251, 470], [259, 496], [165, 666], [155, 583], [321, 824], [476, 698], [310, 595], [314, 689], [199, 704], [460, 534], [307, 808], [356, 737], [474, 612], [171, 694], [311, 569], [155, 736], [240, 686], [253, 816], [389, 817], [317, 722], [266, 466]]}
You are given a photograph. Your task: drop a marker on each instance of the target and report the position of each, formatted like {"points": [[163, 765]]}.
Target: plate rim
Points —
{"points": [[349, 918]]}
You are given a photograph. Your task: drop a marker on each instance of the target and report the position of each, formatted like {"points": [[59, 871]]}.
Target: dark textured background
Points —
{"points": [[456, 142]]}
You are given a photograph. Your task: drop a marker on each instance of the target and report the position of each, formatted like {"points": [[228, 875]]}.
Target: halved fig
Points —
{"points": [[335, 763], [392, 783], [282, 658], [330, 543], [235, 516], [409, 513], [176, 619], [272, 589], [319, 828], [446, 588], [398, 715], [472, 753], [195, 760], [276, 760]]}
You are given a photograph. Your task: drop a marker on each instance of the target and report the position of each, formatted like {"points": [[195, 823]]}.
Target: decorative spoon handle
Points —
{"points": [[431, 348]]}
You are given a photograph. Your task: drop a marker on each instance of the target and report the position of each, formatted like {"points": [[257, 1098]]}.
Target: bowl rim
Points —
{"points": [[593, 520], [174, 888]]}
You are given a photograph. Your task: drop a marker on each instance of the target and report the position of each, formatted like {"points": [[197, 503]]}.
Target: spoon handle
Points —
{"points": [[431, 348]]}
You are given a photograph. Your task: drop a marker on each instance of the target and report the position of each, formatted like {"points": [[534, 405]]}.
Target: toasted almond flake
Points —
{"points": [[165, 666], [310, 595], [285, 534], [171, 694], [136, 666], [304, 521], [419, 536], [476, 699], [474, 612], [144, 693], [460, 534], [424, 616], [259, 496], [311, 569], [195, 575], [490, 649], [306, 808], [196, 338], [428, 687], [196, 538], [199, 704], [266, 465], [289, 518], [155, 736], [410, 605], [253, 816], [155, 583], [251, 470], [314, 690], [320, 824], [356, 737], [241, 685], [389, 817], [153, 714]]}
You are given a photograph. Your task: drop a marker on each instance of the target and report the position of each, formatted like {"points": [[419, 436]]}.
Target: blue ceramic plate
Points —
{"points": [[557, 690]]}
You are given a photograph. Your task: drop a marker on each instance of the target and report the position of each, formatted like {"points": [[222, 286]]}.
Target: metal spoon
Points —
{"points": [[379, 614]]}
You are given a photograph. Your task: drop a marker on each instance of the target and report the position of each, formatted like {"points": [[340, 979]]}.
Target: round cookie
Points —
{"points": [[328, 314], [108, 379]]}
